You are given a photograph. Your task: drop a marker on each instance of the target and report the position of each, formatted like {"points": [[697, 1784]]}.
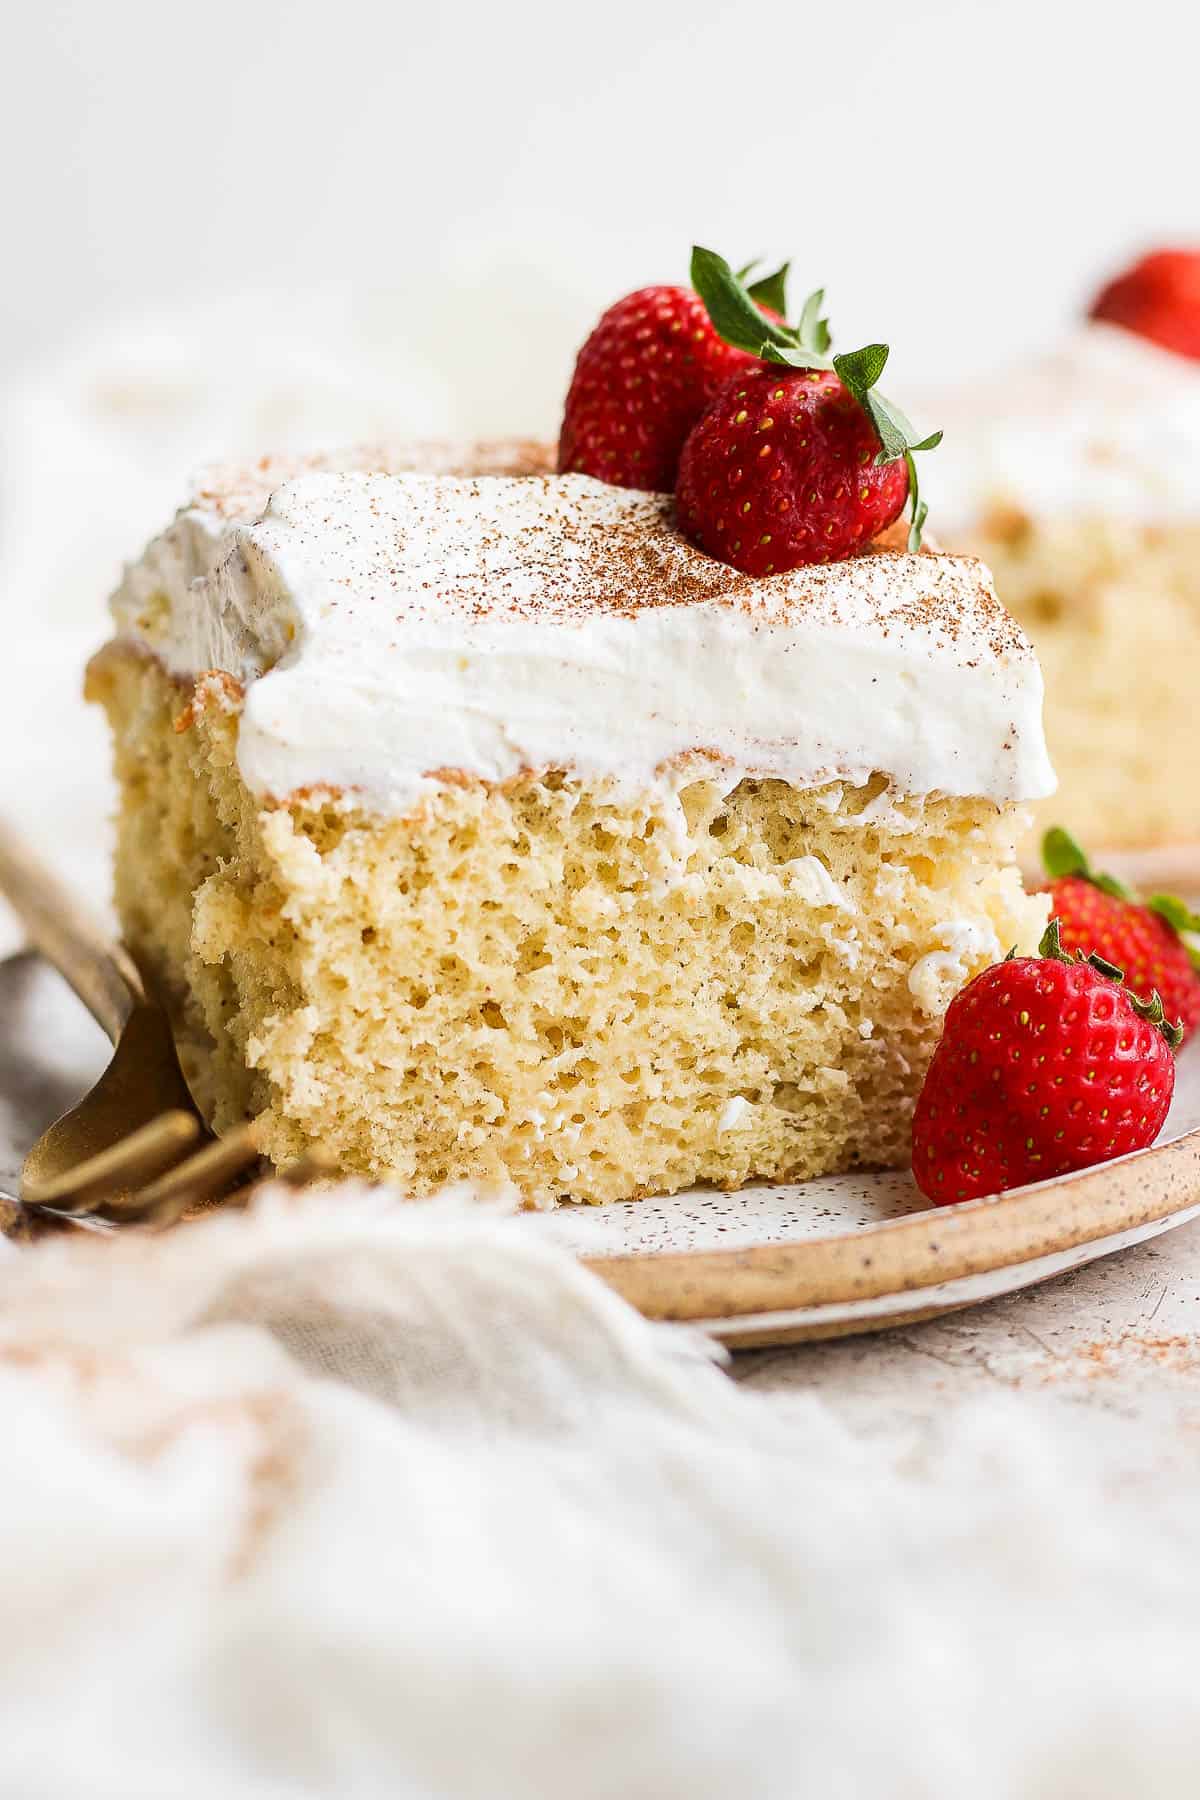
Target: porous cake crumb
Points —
{"points": [[598, 996]]}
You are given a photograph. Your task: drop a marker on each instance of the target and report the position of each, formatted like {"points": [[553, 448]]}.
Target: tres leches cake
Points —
{"points": [[476, 824], [1077, 478]]}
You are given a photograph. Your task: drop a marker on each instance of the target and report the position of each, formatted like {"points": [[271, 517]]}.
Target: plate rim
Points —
{"points": [[819, 1323], [915, 1254], [917, 1251]]}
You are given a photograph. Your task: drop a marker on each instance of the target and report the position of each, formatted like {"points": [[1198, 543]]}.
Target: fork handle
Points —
{"points": [[66, 934]]}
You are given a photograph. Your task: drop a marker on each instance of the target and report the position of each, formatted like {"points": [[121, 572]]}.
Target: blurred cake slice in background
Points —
{"points": [[479, 825], [1076, 476]]}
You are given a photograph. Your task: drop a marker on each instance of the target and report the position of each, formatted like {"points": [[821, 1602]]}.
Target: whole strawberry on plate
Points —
{"points": [[1159, 298], [1147, 939], [801, 461], [643, 378], [1047, 1064]]}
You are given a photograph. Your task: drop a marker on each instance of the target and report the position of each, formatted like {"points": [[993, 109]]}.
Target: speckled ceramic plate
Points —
{"points": [[767, 1265], [860, 1252]]}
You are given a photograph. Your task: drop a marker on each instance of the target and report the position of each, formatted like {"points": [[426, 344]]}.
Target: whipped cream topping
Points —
{"points": [[395, 627], [1105, 425]]}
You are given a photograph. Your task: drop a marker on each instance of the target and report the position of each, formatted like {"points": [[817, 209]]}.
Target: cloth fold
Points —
{"points": [[347, 1497]]}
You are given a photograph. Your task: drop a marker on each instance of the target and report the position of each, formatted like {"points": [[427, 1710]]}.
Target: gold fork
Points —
{"points": [[129, 1146]]}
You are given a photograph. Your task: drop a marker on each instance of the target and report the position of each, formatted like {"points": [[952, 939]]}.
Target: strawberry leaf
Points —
{"points": [[813, 330], [1175, 911], [1062, 856], [920, 511], [859, 370], [1103, 967], [1051, 944], [771, 290], [730, 307], [903, 430], [736, 318], [796, 356], [891, 432], [1182, 920]]}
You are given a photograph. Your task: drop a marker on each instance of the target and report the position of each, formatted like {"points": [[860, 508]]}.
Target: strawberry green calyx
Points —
{"points": [[1051, 945], [1182, 920], [1151, 1010], [767, 290], [737, 319], [1062, 856]]}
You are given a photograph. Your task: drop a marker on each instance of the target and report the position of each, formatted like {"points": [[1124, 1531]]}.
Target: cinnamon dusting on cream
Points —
{"points": [[392, 623]]}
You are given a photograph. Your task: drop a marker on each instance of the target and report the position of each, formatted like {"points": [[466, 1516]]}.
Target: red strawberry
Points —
{"points": [[641, 381], [1159, 298], [801, 461], [1096, 913], [1047, 1064], [781, 471]]}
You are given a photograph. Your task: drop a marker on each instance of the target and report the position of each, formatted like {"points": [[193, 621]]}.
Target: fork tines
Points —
{"points": [[115, 1175], [153, 1177]]}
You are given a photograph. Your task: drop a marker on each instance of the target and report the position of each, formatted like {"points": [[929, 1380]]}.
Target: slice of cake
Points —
{"points": [[1077, 478], [477, 825]]}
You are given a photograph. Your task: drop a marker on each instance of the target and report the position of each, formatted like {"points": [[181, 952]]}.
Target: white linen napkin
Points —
{"points": [[357, 1498]]}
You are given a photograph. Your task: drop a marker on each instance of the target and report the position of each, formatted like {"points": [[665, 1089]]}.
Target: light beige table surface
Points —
{"points": [[1110, 1336]]}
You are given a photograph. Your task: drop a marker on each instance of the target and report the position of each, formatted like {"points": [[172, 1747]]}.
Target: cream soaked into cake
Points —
{"points": [[394, 627]]}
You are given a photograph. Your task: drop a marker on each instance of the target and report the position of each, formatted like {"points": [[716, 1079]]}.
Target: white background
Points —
{"points": [[956, 174], [253, 223]]}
